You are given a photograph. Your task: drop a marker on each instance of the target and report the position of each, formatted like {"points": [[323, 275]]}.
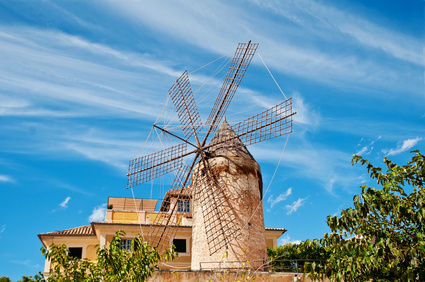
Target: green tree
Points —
{"points": [[387, 225], [291, 257], [114, 263], [37, 278], [5, 279]]}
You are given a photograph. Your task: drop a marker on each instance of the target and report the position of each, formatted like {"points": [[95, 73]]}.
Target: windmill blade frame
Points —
{"points": [[146, 168], [185, 106], [240, 62]]}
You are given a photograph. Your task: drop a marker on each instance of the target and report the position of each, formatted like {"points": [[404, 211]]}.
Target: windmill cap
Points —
{"points": [[234, 147]]}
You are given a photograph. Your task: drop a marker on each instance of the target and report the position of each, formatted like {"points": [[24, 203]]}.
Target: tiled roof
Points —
{"points": [[85, 230], [276, 229]]}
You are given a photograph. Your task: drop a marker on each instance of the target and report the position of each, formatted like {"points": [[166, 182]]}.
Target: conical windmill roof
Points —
{"points": [[234, 147]]}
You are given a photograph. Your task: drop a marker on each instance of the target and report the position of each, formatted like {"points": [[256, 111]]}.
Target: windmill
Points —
{"points": [[222, 229]]}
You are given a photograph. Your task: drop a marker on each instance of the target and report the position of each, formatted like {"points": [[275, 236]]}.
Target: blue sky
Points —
{"points": [[81, 83]]}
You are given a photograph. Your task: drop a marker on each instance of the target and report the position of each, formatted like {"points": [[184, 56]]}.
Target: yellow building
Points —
{"points": [[134, 217]]}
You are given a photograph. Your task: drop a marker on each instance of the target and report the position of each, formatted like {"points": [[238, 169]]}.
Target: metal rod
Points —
{"points": [[175, 135]]}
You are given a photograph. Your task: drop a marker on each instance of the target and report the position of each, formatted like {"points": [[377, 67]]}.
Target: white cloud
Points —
{"points": [[362, 151], [330, 167], [366, 149], [2, 229], [38, 63], [6, 178], [292, 54], [319, 19], [280, 198], [286, 239], [295, 205], [98, 214], [64, 204], [306, 115], [402, 146]]}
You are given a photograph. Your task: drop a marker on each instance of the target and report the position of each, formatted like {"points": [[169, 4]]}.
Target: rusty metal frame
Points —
{"points": [[184, 103], [141, 169], [237, 69]]}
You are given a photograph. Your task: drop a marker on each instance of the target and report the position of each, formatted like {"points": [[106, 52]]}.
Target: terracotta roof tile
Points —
{"points": [[85, 230]]}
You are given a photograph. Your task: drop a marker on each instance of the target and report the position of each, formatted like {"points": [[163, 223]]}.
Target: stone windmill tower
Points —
{"points": [[239, 177]]}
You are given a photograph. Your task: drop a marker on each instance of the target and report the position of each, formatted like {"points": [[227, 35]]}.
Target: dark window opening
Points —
{"points": [[180, 245], [76, 252], [183, 206], [126, 244]]}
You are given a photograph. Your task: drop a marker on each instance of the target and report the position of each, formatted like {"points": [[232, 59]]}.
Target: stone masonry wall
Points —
{"points": [[241, 181]]}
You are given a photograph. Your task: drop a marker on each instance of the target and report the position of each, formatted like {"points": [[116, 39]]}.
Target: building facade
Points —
{"points": [[133, 216]]}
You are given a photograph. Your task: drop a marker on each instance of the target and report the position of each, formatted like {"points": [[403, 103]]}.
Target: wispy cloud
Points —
{"points": [[73, 140], [318, 18], [2, 229], [98, 214], [6, 178], [100, 78], [287, 240], [64, 204], [330, 167], [306, 115], [402, 146], [366, 149], [280, 198], [302, 57], [295, 205]]}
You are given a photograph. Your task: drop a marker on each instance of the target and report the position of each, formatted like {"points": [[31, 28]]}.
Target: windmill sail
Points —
{"points": [[237, 69], [184, 103]]}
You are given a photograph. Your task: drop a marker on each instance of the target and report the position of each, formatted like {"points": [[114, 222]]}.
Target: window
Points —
{"points": [[180, 245], [183, 206], [126, 244], [76, 252]]}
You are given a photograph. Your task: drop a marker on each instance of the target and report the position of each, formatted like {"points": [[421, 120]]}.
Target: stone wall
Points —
{"points": [[240, 179], [198, 276]]}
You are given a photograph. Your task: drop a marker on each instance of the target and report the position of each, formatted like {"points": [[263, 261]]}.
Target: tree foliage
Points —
{"points": [[36, 278], [387, 225], [292, 258], [114, 263]]}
